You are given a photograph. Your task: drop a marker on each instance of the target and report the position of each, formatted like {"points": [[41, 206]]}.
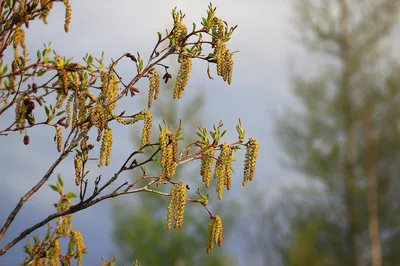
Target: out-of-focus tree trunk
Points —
{"points": [[350, 159], [372, 198]]}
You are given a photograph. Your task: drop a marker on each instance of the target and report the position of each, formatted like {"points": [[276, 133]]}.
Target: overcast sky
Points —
{"points": [[260, 87]]}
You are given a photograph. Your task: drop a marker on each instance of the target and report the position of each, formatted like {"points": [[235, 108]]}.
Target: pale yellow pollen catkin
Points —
{"points": [[58, 137]]}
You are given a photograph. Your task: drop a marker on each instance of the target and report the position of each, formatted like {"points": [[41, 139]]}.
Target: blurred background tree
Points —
{"points": [[140, 229], [345, 141]]}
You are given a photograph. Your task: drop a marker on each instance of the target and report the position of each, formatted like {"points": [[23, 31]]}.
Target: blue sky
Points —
{"points": [[260, 88]]}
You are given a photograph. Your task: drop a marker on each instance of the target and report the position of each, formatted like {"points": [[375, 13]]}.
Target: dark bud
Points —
{"points": [[32, 105], [28, 110], [26, 102], [90, 146], [167, 76], [187, 187], [61, 120], [133, 91], [26, 139], [132, 57], [34, 87]]}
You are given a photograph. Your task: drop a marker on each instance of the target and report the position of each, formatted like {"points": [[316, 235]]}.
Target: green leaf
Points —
{"points": [[71, 195], [233, 170], [47, 110], [55, 188], [60, 180], [40, 73], [204, 20], [223, 133], [93, 159], [39, 55], [5, 69], [159, 36], [90, 60], [60, 113], [143, 168], [86, 173], [198, 134]]}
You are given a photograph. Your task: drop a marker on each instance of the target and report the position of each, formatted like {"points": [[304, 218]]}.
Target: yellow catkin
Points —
{"points": [[111, 94], [68, 110], [154, 87], [46, 6], [207, 162], [61, 97], [228, 173], [75, 110], [250, 160], [163, 140], [84, 150], [218, 230], [64, 80], [180, 205], [19, 39], [58, 137], [210, 235], [229, 67], [222, 168], [106, 147], [76, 236], [170, 210], [68, 13], [20, 112], [55, 258], [220, 52], [78, 169], [183, 75], [172, 157], [156, 78], [180, 32], [148, 123]]}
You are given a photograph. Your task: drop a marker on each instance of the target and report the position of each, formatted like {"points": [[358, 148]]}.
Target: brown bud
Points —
{"points": [[132, 57], [61, 121], [32, 105], [26, 139], [28, 110], [34, 87], [26, 102]]}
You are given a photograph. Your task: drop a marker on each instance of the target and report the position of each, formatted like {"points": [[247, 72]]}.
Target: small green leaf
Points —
{"points": [[47, 110], [40, 73], [71, 195], [86, 173], [233, 170], [5, 69], [159, 36], [204, 22], [93, 159], [55, 188], [223, 133], [60, 113], [90, 60], [198, 134], [143, 168], [60, 180], [39, 55]]}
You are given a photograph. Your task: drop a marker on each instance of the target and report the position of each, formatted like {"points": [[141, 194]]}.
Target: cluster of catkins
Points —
{"points": [[223, 55], [177, 204], [215, 233], [224, 163]]}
